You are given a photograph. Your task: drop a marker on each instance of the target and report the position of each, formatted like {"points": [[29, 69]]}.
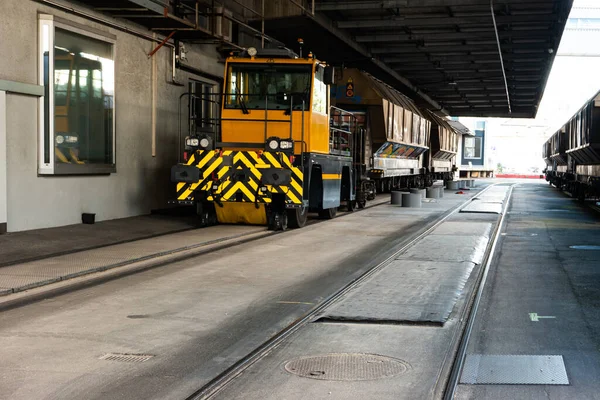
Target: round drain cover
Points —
{"points": [[346, 367]]}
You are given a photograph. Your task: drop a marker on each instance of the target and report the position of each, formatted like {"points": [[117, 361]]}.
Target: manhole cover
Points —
{"points": [[585, 247], [346, 367], [136, 358]]}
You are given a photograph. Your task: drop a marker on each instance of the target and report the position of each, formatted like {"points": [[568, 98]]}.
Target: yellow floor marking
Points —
{"points": [[295, 302]]}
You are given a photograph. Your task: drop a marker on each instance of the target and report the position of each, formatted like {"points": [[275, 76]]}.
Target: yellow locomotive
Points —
{"points": [[276, 151]]}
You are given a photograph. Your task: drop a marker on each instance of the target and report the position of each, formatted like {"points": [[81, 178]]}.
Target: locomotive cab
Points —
{"points": [[275, 152]]}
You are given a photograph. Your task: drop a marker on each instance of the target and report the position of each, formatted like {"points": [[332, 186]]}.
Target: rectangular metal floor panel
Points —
{"points": [[454, 248], [482, 207], [405, 291], [480, 369], [464, 228], [491, 197]]}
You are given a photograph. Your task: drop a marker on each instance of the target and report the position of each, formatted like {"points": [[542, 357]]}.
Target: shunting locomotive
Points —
{"points": [[282, 144], [277, 150]]}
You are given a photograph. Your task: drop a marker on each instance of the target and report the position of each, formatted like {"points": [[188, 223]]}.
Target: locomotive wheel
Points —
{"points": [[206, 215], [361, 203], [278, 221], [580, 193], [297, 217], [328, 213], [351, 205]]}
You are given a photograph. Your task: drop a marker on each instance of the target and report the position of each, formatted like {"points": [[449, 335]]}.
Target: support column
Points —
{"points": [[3, 165]]}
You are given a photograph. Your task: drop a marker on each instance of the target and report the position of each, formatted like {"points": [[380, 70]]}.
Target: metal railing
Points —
{"points": [[205, 118], [342, 126]]}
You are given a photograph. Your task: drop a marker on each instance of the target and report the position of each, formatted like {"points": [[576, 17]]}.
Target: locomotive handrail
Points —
{"points": [[337, 125], [197, 120]]}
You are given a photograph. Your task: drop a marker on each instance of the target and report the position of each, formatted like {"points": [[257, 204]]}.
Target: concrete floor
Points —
{"points": [[36, 244], [410, 312], [195, 317], [23, 276], [537, 271], [133, 251]]}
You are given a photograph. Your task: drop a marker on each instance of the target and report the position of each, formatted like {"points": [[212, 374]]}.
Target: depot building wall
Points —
{"points": [[141, 181]]}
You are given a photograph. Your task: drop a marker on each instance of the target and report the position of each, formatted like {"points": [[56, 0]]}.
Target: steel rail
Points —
{"points": [[215, 385], [471, 311]]}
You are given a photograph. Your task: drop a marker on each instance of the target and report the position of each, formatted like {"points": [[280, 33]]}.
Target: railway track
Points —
{"points": [[470, 312], [214, 386]]}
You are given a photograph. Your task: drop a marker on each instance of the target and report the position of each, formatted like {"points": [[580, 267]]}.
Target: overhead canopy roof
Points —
{"points": [[442, 53]]}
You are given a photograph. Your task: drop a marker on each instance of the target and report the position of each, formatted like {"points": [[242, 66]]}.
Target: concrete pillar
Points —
{"points": [[412, 200], [3, 165], [452, 185], [396, 198], [419, 191], [433, 192]]}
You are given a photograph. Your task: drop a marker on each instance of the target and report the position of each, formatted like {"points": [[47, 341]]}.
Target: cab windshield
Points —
{"points": [[270, 86]]}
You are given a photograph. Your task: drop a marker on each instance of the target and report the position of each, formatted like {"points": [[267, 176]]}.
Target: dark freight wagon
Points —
{"points": [[572, 154]]}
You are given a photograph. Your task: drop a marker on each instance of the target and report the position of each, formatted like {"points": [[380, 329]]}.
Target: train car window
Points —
{"points": [[78, 109], [275, 87]]}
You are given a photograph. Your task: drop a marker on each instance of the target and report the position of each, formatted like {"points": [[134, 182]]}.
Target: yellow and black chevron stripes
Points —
{"points": [[235, 176]]}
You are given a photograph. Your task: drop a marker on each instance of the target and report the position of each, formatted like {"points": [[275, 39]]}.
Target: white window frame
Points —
{"points": [[46, 29], [475, 147]]}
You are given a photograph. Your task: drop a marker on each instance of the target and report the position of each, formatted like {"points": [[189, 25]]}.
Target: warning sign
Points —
{"points": [[349, 88]]}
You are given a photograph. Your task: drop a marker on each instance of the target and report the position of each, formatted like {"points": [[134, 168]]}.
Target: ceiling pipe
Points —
{"points": [[103, 21], [501, 59]]}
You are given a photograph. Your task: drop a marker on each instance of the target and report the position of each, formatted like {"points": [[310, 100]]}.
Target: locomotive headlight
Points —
{"points": [[286, 144], [191, 142], [60, 139], [273, 144], [204, 143], [252, 51]]}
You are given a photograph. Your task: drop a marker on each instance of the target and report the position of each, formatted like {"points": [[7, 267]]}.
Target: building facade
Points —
{"points": [[88, 120]]}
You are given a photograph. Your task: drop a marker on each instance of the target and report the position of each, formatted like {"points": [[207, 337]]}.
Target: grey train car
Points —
{"points": [[572, 154], [402, 146]]}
